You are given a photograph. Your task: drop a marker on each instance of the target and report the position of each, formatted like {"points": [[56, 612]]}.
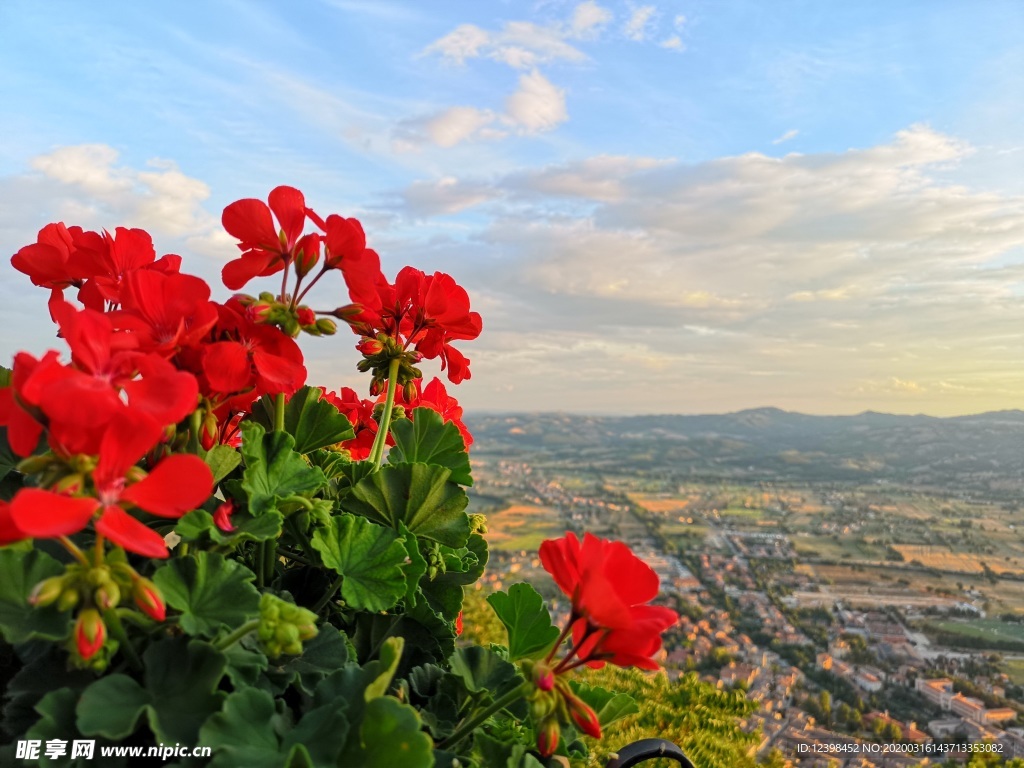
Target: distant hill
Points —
{"points": [[983, 452]]}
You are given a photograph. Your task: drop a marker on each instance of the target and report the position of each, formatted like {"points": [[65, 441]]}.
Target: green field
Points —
{"points": [[1015, 669], [986, 629]]}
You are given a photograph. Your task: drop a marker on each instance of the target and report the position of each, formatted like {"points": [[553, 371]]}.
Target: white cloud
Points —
{"points": [[537, 105], [444, 196], [787, 136], [679, 21], [91, 184], [464, 42], [673, 43], [637, 27], [588, 19], [457, 124], [519, 44]]}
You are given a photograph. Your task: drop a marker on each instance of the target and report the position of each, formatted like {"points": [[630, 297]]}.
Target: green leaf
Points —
{"points": [[483, 670], [418, 495], [390, 655], [369, 559], [526, 618], [222, 459], [198, 525], [428, 439], [273, 470], [313, 422], [609, 705], [180, 693], [8, 460], [210, 591], [20, 571], [391, 735], [462, 567], [44, 671], [247, 731], [245, 665], [415, 568], [320, 657]]}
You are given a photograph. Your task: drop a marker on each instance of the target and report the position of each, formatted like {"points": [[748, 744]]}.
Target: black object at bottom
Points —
{"points": [[649, 749]]}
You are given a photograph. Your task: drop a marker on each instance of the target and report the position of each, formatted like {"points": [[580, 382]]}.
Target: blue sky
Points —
{"points": [[669, 206]]}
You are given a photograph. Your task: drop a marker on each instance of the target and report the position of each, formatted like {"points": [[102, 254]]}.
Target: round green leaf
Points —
{"points": [[369, 557]]}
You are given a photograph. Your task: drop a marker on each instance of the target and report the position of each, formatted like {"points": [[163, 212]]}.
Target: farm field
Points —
{"points": [[942, 559], [522, 527], [983, 629]]}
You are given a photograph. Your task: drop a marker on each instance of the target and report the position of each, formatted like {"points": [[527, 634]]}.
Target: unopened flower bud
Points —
{"points": [[369, 347], [261, 311], [222, 516], [69, 598], [305, 260], [147, 596], [326, 326], [542, 704], [584, 716], [346, 312], [209, 432], [543, 677], [547, 737], [376, 387], [136, 475], [69, 485], [47, 592], [107, 595], [244, 299], [90, 633], [305, 316], [409, 391], [33, 465]]}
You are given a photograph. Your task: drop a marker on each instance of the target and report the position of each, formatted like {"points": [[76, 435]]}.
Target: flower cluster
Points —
{"points": [[180, 422], [159, 373], [610, 621]]}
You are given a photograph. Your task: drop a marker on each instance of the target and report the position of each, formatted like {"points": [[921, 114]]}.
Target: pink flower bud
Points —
{"points": [[547, 737], [147, 596], [90, 633], [370, 347], [222, 516], [543, 677], [306, 316], [584, 716]]}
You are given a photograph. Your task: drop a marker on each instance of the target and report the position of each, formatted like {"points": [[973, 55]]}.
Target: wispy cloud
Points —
{"points": [[792, 133], [638, 25]]}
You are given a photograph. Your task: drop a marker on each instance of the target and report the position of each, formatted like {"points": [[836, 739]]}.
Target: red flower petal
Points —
{"points": [[42, 514], [243, 269], [227, 367], [289, 206], [127, 438], [178, 484], [124, 530], [9, 531], [249, 220]]}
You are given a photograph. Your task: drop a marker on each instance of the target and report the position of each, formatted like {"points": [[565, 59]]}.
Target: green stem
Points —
{"points": [[377, 451], [279, 412], [71, 547], [269, 561], [117, 630], [470, 725], [328, 595], [195, 423], [261, 550], [238, 634]]}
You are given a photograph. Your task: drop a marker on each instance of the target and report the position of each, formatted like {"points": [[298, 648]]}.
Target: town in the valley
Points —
{"points": [[873, 623]]}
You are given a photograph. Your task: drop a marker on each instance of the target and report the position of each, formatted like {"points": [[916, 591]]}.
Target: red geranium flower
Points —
{"points": [[176, 485], [249, 357], [609, 587], [436, 397], [265, 249], [165, 312], [360, 413]]}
